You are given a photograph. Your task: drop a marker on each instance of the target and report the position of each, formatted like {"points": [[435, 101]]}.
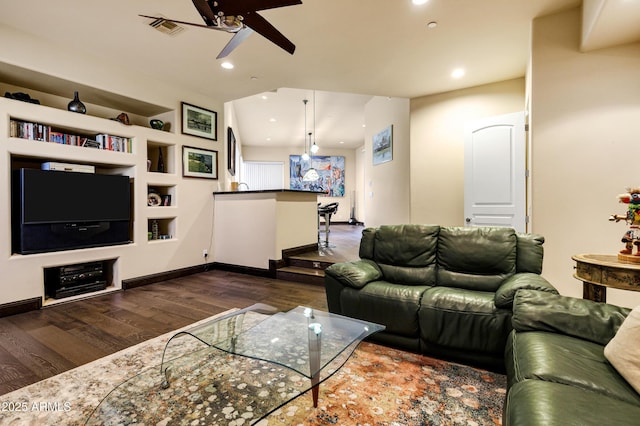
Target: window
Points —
{"points": [[260, 175]]}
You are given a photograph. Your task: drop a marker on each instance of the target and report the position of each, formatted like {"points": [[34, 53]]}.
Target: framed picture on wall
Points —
{"points": [[231, 152], [197, 121], [199, 163], [383, 146]]}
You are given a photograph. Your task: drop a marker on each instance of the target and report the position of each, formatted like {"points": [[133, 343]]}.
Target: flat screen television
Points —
{"points": [[61, 210]]}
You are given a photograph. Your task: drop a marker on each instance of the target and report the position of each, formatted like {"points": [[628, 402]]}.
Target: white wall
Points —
{"points": [[360, 212], [585, 144], [386, 185], [437, 146]]}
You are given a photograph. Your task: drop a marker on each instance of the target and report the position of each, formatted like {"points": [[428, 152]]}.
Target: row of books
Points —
{"points": [[45, 133]]}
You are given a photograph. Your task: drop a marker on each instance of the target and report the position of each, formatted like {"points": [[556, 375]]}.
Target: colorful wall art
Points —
{"points": [[330, 169]]}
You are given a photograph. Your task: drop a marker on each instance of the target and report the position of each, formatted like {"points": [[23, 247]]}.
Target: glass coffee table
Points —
{"points": [[236, 369]]}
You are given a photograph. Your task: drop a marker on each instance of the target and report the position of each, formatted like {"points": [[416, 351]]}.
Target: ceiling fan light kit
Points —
{"points": [[241, 18]]}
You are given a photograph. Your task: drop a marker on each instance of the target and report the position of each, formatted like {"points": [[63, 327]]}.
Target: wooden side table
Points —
{"points": [[599, 271]]}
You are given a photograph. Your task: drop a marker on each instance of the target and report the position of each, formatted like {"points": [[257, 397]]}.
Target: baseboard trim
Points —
{"points": [[343, 222], [20, 306], [294, 251], [249, 270], [164, 276]]}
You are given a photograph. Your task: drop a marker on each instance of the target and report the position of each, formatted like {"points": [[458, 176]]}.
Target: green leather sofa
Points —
{"points": [[444, 291], [556, 369]]}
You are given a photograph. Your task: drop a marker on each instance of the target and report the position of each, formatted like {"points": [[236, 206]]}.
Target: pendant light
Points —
{"points": [[312, 174], [314, 148], [305, 156]]}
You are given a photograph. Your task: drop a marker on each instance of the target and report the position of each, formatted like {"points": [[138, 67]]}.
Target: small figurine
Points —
{"points": [[632, 236]]}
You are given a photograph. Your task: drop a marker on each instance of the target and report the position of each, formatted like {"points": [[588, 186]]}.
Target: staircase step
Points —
{"points": [[299, 274], [302, 262]]}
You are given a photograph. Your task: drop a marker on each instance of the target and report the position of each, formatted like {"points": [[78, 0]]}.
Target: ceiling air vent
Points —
{"points": [[166, 27]]}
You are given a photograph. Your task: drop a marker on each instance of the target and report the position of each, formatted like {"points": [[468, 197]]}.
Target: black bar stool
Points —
{"points": [[326, 211]]}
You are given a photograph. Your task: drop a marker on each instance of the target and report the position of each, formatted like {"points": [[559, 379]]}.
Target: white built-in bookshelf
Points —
{"points": [[32, 134]]}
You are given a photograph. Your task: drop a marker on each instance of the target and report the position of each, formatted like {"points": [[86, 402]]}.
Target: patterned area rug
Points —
{"points": [[384, 386], [377, 386]]}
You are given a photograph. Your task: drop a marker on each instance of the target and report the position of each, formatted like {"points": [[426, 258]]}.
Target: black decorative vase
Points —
{"points": [[76, 106], [157, 124], [160, 161]]}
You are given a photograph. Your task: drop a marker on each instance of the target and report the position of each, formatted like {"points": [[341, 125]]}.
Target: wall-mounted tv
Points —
{"points": [[60, 210]]}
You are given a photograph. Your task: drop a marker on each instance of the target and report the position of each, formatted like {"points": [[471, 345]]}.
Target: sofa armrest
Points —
{"points": [[355, 274], [526, 280], [584, 319]]}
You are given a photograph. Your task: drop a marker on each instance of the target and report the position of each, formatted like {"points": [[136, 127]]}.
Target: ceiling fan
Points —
{"points": [[241, 18]]}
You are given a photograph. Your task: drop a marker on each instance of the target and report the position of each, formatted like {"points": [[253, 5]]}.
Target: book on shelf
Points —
{"points": [[45, 133], [114, 143]]}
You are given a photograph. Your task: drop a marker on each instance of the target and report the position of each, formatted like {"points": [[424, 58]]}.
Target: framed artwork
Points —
{"points": [[231, 152], [200, 163], [199, 122], [330, 169], [383, 146]]}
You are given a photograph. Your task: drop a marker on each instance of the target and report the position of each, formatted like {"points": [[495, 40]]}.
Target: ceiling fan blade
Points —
{"points": [[182, 22], [240, 7], [235, 41], [268, 31], [205, 11]]}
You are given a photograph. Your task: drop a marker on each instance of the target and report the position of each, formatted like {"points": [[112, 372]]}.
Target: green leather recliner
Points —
{"points": [[557, 373], [445, 291]]}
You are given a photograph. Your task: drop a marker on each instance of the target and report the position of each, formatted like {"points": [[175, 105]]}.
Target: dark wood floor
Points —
{"points": [[40, 344], [344, 243]]}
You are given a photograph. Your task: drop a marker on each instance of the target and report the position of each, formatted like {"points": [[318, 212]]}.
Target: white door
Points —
{"points": [[495, 172]]}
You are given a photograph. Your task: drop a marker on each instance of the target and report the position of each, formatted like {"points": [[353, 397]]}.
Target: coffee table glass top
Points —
{"points": [[283, 338], [243, 365]]}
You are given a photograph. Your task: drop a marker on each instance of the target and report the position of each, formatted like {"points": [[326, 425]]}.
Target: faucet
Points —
{"points": [[242, 183]]}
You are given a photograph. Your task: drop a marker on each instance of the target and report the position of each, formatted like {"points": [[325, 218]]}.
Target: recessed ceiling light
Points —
{"points": [[432, 24], [419, 2], [341, 142], [458, 73], [268, 139], [264, 97], [227, 65], [273, 120]]}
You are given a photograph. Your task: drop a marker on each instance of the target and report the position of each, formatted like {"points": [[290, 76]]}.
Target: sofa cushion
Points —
{"points": [[567, 360], [536, 402], [463, 319], [623, 351], [476, 258], [406, 254], [366, 243], [529, 253], [395, 306]]}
